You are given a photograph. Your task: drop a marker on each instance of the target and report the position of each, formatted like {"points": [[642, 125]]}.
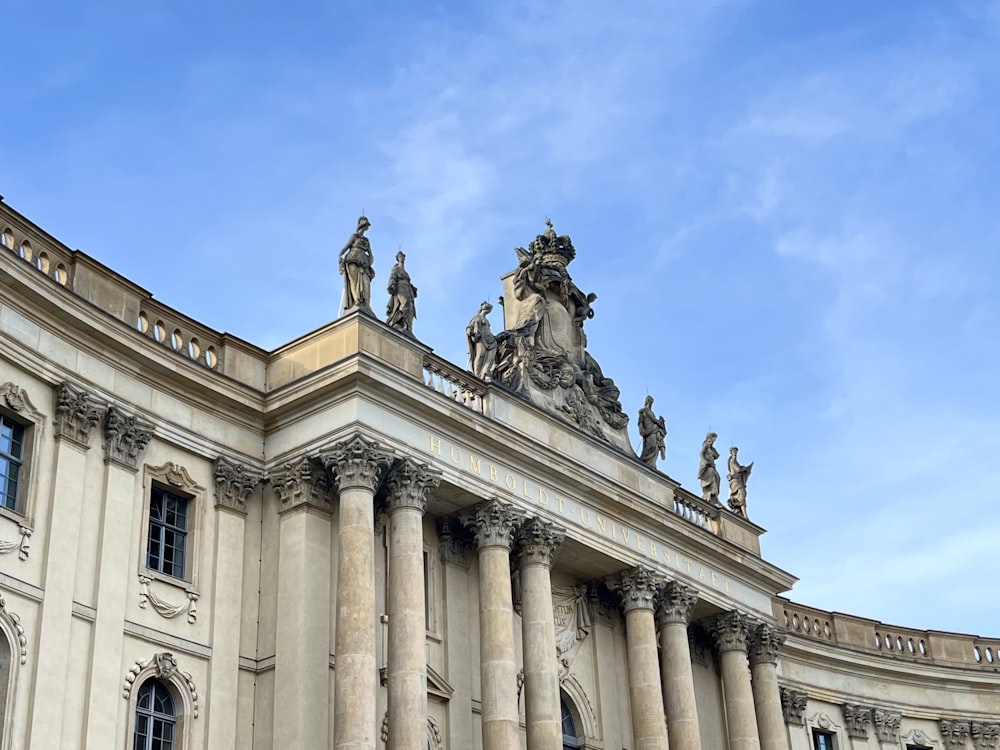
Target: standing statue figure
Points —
{"points": [[356, 266], [738, 476], [402, 308], [482, 343], [708, 475], [652, 430]]}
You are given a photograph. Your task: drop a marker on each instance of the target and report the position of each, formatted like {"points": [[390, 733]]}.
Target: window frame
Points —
{"points": [[15, 405], [153, 716], [174, 480], [169, 535], [817, 733], [19, 437]]}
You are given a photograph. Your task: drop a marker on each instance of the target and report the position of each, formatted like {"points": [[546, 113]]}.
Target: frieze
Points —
{"points": [[234, 483], [78, 412], [125, 437], [576, 513]]}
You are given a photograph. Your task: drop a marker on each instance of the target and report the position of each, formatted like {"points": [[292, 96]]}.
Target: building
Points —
{"points": [[350, 542]]}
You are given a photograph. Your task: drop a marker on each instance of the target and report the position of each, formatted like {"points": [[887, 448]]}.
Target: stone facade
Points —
{"points": [[315, 547]]}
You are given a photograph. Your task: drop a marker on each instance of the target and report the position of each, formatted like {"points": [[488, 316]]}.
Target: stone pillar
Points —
{"points": [[765, 642], [234, 483], [673, 615], [455, 550], [730, 632], [125, 437], [408, 484], [539, 541], [77, 413], [494, 523], [356, 465], [302, 623], [638, 589]]}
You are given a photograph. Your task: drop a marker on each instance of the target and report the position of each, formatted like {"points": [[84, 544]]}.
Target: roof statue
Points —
{"points": [[401, 310], [738, 476], [653, 431], [357, 268], [542, 354], [708, 475]]}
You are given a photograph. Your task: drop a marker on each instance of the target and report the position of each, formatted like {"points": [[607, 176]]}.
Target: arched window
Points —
{"points": [[570, 737], [155, 718]]}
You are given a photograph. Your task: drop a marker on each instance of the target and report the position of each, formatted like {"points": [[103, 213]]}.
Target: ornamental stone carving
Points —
{"points": [[985, 735], [22, 544], [676, 603], [954, 733], [886, 724], [125, 437], [538, 541], [356, 463], [408, 483], [636, 588], [234, 484], [163, 666], [163, 607], [302, 482], [766, 641], [12, 621], [77, 413], [15, 398], [730, 631], [493, 523], [857, 720], [793, 706], [453, 543]]}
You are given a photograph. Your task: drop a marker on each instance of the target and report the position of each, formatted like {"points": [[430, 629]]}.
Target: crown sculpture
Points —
{"points": [[542, 354]]}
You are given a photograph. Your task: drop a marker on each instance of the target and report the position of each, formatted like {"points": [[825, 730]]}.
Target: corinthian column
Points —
{"points": [[408, 483], [730, 632], [538, 543], [673, 615], [765, 642], [356, 466], [494, 524], [638, 589]]}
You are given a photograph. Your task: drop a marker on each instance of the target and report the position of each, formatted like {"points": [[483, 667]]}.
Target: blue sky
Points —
{"points": [[788, 211]]}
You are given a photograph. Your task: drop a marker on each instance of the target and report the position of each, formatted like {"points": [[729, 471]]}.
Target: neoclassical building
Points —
{"points": [[349, 542]]}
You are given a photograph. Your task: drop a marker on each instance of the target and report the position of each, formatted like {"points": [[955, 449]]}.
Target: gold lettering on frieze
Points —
{"points": [[577, 513]]}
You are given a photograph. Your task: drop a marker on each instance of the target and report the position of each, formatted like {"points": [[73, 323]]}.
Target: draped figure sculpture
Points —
{"points": [[401, 310], [738, 476], [653, 431], [356, 266], [708, 475], [481, 342]]}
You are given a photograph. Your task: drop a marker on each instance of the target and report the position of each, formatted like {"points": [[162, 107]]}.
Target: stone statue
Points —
{"points": [[708, 475], [482, 343], [653, 431], [356, 266], [402, 308], [738, 476]]}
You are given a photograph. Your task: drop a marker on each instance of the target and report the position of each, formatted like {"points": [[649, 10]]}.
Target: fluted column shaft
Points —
{"points": [[638, 589], [765, 642], [356, 468], [493, 524], [673, 614], [730, 632], [538, 543], [408, 484]]}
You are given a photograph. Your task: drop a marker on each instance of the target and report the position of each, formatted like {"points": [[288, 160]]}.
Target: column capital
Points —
{"points": [[985, 734], [453, 544], [676, 602], [125, 437], [793, 706], [233, 484], [493, 523], [77, 413], [765, 642], [887, 726], [636, 588], [857, 720], [954, 733], [301, 482], [538, 541], [730, 631], [408, 483], [356, 463]]}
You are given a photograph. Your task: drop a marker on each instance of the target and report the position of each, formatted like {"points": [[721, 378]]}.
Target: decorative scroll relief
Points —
{"points": [[22, 544], [165, 608], [571, 615], [12, 621], [916, 737], [163, 666]]}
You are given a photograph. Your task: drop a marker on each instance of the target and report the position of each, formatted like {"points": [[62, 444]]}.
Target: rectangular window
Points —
{"points": [[168, 529], [822, 740], [11, 458]]}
